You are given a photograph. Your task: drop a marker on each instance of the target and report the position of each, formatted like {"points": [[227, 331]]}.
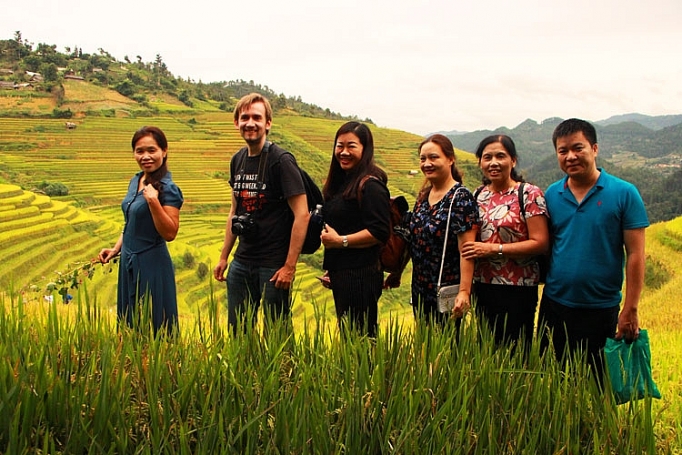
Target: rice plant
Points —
{"points": [[74, 382]]}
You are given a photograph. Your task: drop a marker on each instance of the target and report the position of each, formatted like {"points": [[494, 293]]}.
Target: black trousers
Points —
{"points": [[509, 311], [570, 329], [356, 296]]}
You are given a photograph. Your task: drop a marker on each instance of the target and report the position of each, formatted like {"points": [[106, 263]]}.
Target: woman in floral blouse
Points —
{"points": [[511, 237], [427, 228]]}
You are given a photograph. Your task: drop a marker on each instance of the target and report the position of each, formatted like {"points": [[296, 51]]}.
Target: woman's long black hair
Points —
{"points": [[337, 177]]}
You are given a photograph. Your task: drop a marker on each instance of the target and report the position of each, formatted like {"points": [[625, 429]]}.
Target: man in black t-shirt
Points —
{"points": [[269, 215]]}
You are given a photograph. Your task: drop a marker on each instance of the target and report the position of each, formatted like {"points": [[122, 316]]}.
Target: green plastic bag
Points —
{"points": [[629, 367]]}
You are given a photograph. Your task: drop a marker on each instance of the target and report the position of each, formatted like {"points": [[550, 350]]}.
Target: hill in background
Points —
{"points": [[42, 82], [655, 123], [142, 88], [649, 158]]}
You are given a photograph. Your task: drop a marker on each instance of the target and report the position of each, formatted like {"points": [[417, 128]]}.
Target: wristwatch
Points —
{"points": [[344, 241]]}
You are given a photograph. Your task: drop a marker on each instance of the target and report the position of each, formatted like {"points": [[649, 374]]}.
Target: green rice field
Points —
{"points": [[70, 382]]}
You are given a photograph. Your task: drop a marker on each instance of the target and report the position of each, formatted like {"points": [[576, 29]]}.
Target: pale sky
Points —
{"points": [[417, 66]]}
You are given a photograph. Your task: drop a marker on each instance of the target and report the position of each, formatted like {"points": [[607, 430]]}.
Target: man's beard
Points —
{"points": [[252, 140]]}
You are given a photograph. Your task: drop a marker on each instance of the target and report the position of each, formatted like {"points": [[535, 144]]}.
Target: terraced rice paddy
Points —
{"points": [[41, 236], [95, 162]]}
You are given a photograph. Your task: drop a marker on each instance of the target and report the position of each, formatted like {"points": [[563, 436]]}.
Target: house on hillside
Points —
{"points": [[73, 77], [6, 85], [34, 77], [6, 71]]}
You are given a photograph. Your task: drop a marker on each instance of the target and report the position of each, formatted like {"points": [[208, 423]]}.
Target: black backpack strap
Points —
{"points": [[477, 192], [275, 151], [275, 154], [522, 203]]}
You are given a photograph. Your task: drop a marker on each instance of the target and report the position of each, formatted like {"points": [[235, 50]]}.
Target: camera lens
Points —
{"points": [[237, 226], [243, 224]]}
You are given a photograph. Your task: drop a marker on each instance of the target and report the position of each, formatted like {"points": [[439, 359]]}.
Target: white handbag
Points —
{"points": [[446, 294], [446, 298]]}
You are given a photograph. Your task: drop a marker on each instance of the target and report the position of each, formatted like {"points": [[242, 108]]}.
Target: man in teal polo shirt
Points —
{"points": [[597, 223]]}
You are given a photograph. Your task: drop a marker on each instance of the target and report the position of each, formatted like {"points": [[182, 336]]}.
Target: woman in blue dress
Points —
{"points": [[151, 210]]}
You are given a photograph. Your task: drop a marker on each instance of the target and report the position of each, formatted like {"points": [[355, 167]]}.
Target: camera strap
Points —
{"points": [[262, 163]]}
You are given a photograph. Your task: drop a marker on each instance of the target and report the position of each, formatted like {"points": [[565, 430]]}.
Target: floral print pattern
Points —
{"points": [[427, 228], [502, 222]]}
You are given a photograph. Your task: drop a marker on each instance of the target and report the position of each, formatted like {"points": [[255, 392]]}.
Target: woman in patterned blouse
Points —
{"points": [[511, 237], [427, 229]]}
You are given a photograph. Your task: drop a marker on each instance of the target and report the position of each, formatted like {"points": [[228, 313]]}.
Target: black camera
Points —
{"points": [[243, 224]]}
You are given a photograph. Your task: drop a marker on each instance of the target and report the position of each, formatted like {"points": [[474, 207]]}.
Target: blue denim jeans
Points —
{"points": [[247, 285]]}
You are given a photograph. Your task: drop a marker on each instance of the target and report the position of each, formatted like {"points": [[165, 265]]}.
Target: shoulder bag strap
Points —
{"points": [[445, 242], [361, 185]]}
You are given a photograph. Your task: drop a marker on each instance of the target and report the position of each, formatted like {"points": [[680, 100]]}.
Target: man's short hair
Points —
{"points": [[248, 100], [572, 126]]}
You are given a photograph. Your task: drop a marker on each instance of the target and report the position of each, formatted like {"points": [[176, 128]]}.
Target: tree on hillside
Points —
{"points": [[15, 49], [49, 54], [185, 98], [49, 72], [99, 61], [32, 63], [279, 102], [126, 88], [159, 69], [21, 47], [135, 77]]}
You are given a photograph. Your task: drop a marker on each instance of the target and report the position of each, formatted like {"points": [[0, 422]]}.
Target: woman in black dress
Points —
{"points": [[356, 213]]}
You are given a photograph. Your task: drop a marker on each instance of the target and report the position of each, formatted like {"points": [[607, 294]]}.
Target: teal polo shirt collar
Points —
{"points": [[568, 195]]}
